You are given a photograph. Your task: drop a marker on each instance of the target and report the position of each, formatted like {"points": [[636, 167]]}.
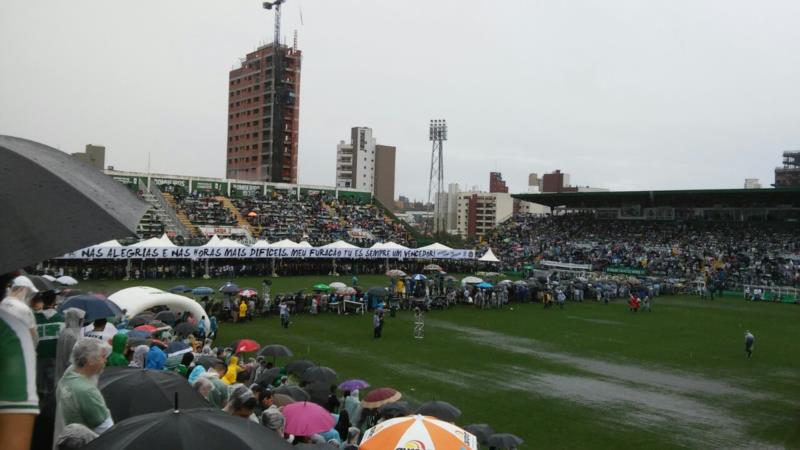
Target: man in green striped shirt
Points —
{"points": [[19, 403]]}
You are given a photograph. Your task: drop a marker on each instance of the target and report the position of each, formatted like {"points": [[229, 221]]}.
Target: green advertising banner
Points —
{"points": [[209, 186], [130, 182], [168, 184], [245, 190], [626, 270]]}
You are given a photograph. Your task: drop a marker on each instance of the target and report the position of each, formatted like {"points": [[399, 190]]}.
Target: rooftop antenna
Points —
{"points": [[277, 5]]}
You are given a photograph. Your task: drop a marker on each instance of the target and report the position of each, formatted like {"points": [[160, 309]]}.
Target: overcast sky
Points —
{"points": [[635, 94]]}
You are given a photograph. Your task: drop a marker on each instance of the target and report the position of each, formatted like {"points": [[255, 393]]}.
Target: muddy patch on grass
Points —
{"points": [[600, 321], [663, 379]]}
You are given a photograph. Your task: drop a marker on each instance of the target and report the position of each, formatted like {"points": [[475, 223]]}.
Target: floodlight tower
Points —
{"points": [[437, 135]]}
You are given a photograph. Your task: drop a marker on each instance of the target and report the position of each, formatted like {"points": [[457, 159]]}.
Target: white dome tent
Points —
{"points": [[134, 300]]}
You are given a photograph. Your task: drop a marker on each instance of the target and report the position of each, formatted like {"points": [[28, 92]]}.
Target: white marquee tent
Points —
{"points": [[488, 257], [140, 298]]}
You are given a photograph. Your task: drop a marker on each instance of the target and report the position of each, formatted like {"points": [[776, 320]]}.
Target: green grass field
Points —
{"points": [[588, 376]]}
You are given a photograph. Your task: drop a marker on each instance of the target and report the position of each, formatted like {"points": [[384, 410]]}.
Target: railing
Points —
{"points": [[174, 222]]}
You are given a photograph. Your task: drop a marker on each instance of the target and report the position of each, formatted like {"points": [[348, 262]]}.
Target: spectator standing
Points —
{"points": [[79, 399], [749, 343], [73, 321], [49, 324], [18, 397], [17, 303], [377, 323]]}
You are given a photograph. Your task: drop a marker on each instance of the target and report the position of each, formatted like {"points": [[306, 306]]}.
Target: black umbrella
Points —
{"points": [[293, 391], [439, 409], [318, 392], [188, 430], [95, 307], [131, 392], [378, 292], [481, 431], [275, 350], [41, 183], [266, 377], [42, 284], [299, 366], [229, 288], [207, 361], [167, 317], [185, 329], [504, 440], [318, 373], [141, 319], [309, 446], [395, 409]]}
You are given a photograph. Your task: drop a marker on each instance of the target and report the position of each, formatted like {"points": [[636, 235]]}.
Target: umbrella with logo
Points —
{"points": [[504, 440], [379, 397], [188, 429], [417, 432], [395, 273], [439, 409], [248, 292], [94, 307], [245, 346], [130, 392], [306, 419], [481, 430]]}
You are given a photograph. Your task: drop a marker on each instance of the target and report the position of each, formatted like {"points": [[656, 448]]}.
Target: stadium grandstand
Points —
{"points": [[190, 210], [746, 236]]}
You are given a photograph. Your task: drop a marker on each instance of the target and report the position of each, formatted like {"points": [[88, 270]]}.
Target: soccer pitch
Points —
{"points": [[587, 376]]}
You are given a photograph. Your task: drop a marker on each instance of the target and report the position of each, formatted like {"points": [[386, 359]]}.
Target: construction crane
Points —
{"points": [[277, 5]]}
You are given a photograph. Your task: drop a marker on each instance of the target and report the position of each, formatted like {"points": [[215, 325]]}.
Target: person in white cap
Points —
{"points": [[17, 303]]}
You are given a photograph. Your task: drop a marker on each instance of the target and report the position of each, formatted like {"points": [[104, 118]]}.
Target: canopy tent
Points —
{"points": [[339, 244], [134, 300], [261, 243], [284, 243], [161, 242], [111, 243], [304, 244], [435, 246], [488, 257], [230, 243], [213, 242], [388, 246]]}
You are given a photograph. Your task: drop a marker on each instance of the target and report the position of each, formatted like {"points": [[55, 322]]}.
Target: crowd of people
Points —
{"points": [[320, 219], [756, 253], [203, 208]]}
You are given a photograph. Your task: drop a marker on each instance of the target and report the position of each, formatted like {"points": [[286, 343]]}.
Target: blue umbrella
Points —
{"points": [[202, 291], [95, 307], [484, 285], [139, 334], [419, 277], [229, 288], [177, 347], [179, 289]]}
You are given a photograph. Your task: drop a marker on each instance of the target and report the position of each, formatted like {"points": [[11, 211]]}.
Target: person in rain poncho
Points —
{"points": [[749, 342], [139, 358], [233, 370], [241, 403], [79, 399], [219, 395], [17, 303], [352, 405], [156, 358], [75, 436], [119, 346], [73, 321], [196, 372]]}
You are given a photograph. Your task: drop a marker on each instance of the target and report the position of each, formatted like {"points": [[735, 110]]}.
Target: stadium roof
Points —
{"points": [[684, 198]]}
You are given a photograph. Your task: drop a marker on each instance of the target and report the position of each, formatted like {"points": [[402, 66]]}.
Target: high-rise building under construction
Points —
{"points": [[264, 115]]}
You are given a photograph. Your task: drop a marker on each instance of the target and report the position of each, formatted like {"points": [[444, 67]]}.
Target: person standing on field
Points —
{"points": [[749, 342]]}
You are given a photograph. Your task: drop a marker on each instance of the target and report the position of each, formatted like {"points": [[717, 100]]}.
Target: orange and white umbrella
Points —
{"points": [[417, 433]]}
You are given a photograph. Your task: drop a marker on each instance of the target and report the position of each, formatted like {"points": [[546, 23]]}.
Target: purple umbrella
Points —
{"points": [[351, 385]]}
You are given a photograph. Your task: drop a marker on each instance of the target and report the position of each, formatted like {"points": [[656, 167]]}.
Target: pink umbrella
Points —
{"points": [[306, 418]]}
